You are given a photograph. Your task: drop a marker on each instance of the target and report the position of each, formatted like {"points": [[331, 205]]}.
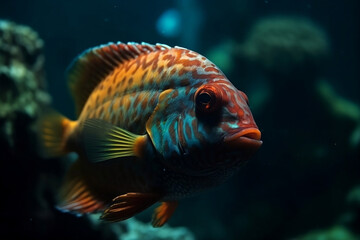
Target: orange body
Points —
{"points": [[154, 124]]}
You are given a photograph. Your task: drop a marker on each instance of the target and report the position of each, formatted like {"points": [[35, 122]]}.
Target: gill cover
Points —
{"points": [[168, 122]]}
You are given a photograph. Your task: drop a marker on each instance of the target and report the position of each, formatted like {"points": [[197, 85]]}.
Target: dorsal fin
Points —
{"points": [[93, 65]]}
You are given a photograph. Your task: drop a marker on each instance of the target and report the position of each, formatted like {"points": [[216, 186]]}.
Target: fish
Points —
{"points": [[155, 124]]}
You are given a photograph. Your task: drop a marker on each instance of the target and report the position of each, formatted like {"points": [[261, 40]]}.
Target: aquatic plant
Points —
{"points": [[341, 107]]}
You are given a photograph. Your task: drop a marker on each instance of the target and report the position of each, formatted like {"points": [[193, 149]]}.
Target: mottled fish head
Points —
{"points": [[202, 125]]}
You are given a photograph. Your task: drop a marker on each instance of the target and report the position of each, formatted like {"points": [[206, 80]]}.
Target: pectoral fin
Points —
{"points": [[104, 141], [163, 213], [127, 205]]}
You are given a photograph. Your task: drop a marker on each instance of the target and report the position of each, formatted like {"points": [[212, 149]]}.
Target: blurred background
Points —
{"points": [[298, 62]]}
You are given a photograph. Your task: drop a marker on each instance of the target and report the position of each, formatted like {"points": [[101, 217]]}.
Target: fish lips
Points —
{"points": [[246, 141]]}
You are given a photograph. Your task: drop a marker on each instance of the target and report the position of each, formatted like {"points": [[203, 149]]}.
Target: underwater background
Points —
{"points": [[298, 62]]}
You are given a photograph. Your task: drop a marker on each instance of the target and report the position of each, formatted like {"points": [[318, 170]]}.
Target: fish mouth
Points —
{"points": [[246, 140]]}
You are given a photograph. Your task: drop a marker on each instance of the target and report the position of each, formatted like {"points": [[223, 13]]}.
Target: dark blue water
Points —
{"points": [[301, 178]]}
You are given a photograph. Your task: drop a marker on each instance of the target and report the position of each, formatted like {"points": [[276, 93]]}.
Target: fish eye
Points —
{"points": [[204, 98], [207, 100]]}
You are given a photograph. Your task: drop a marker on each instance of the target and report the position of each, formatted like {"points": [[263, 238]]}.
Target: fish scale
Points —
{"points": [[145, 72], [155, 124]]}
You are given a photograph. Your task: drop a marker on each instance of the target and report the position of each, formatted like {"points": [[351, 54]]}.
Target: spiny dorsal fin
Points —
{"points": [[93, 65]]}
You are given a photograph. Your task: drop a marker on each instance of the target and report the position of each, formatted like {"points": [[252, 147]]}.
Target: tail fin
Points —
{"points": [[53, 132]]}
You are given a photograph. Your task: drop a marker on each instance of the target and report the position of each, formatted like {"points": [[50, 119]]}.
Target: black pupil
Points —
{"points": [[204, 98]]}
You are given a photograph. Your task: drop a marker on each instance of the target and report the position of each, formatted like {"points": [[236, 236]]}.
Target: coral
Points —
{"points": [[334, 233], [22, 97], [133, 229], [139, 230], [21, 77], [283, 44]]}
